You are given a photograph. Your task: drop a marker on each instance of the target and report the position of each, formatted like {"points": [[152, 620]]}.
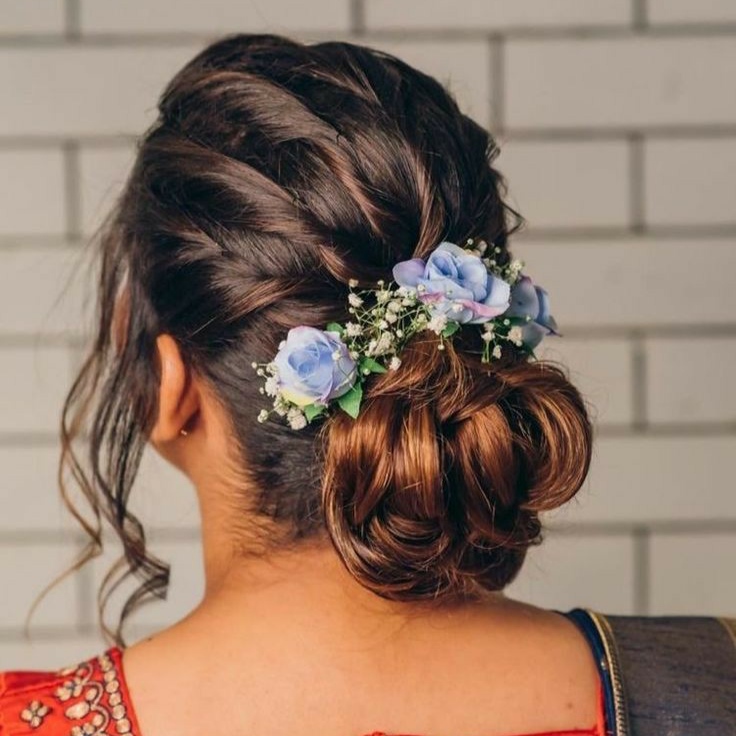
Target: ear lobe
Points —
{"points": [[178, 395]]}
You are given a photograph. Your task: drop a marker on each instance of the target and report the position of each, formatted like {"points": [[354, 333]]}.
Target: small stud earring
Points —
{"points": [[183, 432]]}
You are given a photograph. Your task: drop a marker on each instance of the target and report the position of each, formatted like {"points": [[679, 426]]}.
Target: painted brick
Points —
{"points": [[77, 90], [602, 371], [691, 574], [645, 479], [568, 184], [493, 14], [32, 192], [624, 82], [41, 563], [35, 381], [705, 175], [635, 282], [30, 498], [217, 16], [29, 495], [42, 291], [684, 11], [691, 380], [566, 571], [463, 66], [102, 174], [39, 16]]}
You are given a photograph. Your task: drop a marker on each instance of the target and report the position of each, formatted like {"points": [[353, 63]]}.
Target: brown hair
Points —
{"points": [[275, 172]]}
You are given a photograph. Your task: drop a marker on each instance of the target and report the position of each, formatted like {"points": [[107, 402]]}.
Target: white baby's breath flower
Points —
{"points": [[437, 323], [254, 364], [383, 296], [336, 355], [353, 283], [487, 336], [393, 306], [384, 343], [383, 324], [497, 351], [354, 354], [399, 333], [489, 326], [271, 386], [395, 363], [262, 416], [354, 300], [391, 317], [296, 418], [280, 406], [353, 329], [515, 335]]}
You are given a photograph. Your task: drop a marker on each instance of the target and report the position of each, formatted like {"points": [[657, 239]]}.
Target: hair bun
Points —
{"points": [[436, 488]]}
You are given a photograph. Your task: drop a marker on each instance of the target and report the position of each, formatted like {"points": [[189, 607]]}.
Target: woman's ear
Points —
{"points": [[179, 399]]}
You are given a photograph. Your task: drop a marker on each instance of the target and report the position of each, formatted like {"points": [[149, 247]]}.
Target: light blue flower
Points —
{"points": [[455, 283], [307, 370], [529, 300]]}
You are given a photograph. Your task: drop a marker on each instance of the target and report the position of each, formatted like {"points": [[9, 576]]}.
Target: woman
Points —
{"points": [[308, 305]]}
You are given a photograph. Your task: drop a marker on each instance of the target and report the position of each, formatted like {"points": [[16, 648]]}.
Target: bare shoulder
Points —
{"points": [[509, 668]]}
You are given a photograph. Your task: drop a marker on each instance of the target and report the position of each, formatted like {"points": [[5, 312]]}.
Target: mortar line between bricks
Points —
{"points": [[684, 430], [134, 39], [592, 132], [357, 17], [163, 534], [497, 78], [639, 396], [642, 570], [72, 191], [703, 231], [640, 15], [703, 330], [588, 133], [637, 172], [72, 20]]}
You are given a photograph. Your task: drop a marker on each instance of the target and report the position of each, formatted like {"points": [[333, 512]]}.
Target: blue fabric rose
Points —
{"points": [[308, 371], [529, 300], [455, 283]]}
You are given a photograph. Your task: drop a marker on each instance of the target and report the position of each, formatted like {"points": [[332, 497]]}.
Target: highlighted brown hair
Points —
{"points": [[275, 172]]}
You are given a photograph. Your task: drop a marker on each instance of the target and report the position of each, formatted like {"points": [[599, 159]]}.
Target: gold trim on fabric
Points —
{"points": [[621, 716]]}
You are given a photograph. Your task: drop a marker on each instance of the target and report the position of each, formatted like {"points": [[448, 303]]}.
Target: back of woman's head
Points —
{"points": [[275, 173]]}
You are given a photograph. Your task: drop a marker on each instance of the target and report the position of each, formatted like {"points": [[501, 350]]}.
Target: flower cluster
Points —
{"points": [[454, 286]]}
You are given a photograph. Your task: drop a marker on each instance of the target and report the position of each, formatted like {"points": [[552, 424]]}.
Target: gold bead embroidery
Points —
{"points": [[34, 713], [91, 707]]}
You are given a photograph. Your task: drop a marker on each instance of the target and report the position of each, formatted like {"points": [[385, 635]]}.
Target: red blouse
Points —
{"points": [[92, 699]]}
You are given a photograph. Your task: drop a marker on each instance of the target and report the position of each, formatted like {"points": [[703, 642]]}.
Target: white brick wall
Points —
{"points": [[618, 133]]}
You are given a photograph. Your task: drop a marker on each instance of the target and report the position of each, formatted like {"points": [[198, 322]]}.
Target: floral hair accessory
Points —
{"points": [[453, 287]]}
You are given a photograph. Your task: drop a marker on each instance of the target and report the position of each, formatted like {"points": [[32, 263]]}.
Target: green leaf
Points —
{"points": [[450, 329], [350, 402], [335, 327], [313, 410], [372, 365]]}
